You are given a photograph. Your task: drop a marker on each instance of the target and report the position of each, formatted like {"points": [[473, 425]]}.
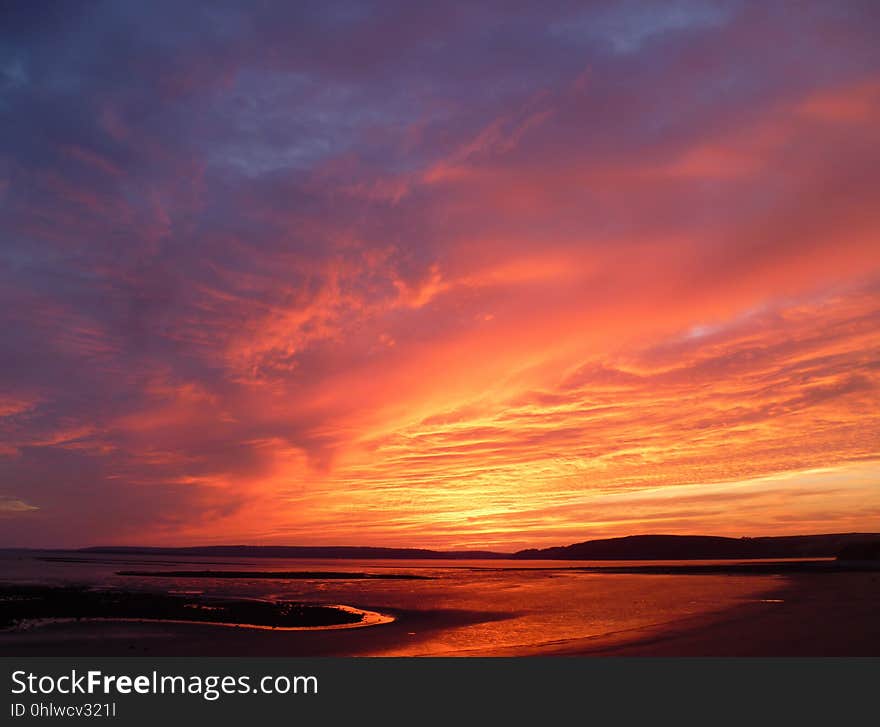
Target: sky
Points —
{"points": [[458, 275]]}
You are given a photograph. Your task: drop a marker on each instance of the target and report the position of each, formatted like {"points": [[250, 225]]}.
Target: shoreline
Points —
{"points": [[368, 618], [25, 608], [804, 614], [165, 638]]}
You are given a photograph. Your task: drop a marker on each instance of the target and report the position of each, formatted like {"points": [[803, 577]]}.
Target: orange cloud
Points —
{"points": [[418, 305]]}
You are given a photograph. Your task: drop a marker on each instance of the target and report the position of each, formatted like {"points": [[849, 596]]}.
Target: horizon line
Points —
{"points": [[438, 549]]}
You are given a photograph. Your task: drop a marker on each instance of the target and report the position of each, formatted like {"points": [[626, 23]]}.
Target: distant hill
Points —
{"points": [[297, 551], [868, 550], [633, 547], [702, 547]]}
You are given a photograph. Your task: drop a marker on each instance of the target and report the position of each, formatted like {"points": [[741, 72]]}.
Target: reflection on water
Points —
{"points": [[525, 603]]}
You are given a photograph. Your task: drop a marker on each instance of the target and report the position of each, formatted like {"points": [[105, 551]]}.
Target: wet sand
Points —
{"points": [[26, 608], [809, 615], [109, 638], [819, 614]]}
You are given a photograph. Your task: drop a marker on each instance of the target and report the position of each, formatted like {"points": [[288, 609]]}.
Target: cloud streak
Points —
{"points": [[497, 275]]}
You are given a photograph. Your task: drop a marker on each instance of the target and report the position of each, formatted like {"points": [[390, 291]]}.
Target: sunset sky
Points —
{"points": [[459, 275]]}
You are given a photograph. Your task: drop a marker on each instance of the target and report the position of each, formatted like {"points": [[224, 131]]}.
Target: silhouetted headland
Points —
{"points": [[633, 547], [296, 551], [864, 551], [703, 547]]}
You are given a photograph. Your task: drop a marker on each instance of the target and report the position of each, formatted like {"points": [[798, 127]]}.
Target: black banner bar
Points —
{"points": [[235, 691]]}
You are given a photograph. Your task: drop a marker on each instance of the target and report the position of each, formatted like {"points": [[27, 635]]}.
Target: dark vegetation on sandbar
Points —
{"points": [[273, 575], [18, 603]]}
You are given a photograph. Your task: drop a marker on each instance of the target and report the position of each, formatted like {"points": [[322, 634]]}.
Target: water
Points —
{"points": [[512, 604]]}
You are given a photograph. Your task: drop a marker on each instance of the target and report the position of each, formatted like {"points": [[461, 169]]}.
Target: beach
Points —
{"points": [[832, 615], [822, 614]]}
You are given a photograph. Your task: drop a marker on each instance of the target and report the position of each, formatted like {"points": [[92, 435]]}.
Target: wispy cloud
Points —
{"points": [[474, 275], [13, 506]]}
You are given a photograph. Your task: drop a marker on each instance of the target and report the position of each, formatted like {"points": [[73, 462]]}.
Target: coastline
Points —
{"points": [[113, 637], [368, 618], [817, 614]]}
